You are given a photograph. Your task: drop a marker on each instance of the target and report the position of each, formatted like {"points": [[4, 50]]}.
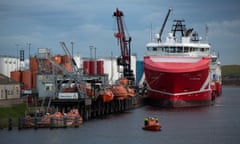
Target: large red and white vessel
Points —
{"points": [[178, 70]]}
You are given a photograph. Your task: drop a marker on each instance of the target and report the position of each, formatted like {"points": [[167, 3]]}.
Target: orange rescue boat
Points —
{"points": [[152, 124]]}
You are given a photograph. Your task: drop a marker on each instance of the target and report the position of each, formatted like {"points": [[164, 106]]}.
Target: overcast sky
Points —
{"points": [[44, 23]]}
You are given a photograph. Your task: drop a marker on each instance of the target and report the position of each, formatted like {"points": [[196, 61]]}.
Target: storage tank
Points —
{"points": [[16, 75], [86, 67], [33, 64], [68, 67], [34, 77], [110, 68], [100, 67], [8, 64], [27, 79], [92, 67], [65, 59]]}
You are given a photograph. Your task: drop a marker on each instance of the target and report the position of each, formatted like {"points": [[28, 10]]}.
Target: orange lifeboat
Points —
{"points": [[123, 81], [72, 116], [106, 95], [119, 92], [152, 124], [131, 92]]}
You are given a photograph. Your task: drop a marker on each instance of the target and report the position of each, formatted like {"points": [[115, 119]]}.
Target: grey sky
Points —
{"points": [[89, 22]]}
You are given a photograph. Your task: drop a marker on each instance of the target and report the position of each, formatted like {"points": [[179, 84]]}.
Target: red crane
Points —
{"points": [[125, 59]]}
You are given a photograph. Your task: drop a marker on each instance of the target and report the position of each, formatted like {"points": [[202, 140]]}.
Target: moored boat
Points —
{"points": [[177, 70], [216, 75]]}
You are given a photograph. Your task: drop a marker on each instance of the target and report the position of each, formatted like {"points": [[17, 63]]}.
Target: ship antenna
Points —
{"points": [[150, 32], [206, 32]]}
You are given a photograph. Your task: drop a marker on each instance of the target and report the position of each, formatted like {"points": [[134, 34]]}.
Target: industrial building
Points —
{"points": [[9, 88]]}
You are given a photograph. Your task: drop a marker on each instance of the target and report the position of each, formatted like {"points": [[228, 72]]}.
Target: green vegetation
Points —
{"points": [[231, 75], [228, 70], [13, 112]]}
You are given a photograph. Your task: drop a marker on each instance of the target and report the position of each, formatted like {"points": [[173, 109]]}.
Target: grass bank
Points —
{"points": [[13, 112], [231, 75]]}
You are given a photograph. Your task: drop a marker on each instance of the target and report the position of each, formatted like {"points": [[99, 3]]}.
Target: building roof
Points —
{"points": [[6, 80]]}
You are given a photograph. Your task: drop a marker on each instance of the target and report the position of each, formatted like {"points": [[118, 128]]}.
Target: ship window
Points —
{"points": [[178, 49], [214, 59], [172, 49], [185, 49]]}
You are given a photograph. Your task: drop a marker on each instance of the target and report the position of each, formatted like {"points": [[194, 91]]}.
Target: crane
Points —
{"points": [[124, 46], [164, 23]]}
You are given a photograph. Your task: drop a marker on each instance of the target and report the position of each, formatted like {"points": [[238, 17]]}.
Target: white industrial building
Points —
{"points": [[8, 64]]}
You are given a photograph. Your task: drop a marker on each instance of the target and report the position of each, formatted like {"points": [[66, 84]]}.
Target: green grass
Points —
{"points": [[230, 70], [13, 112]]}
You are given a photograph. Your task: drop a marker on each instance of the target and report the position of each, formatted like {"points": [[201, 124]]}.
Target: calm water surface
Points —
{"points": [[216, 124]]}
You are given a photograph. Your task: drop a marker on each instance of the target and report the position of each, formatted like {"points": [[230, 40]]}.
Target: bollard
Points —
{"points": [[19, 123], [35, 123], [76, 122], [65, 122], [10, 124], [51, 123]]}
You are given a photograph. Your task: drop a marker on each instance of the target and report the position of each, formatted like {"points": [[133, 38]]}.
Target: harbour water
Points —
{"points": [[216, 124]]}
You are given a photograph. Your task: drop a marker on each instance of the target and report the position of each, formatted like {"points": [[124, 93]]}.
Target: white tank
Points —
{"points": [[111, 68], [8, 64]]}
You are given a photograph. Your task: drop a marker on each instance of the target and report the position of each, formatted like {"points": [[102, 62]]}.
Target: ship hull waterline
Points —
{"points": [[178, 84]]}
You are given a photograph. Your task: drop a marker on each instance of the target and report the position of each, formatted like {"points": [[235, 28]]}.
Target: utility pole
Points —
{"points": [[29, 45], [72, 47]]}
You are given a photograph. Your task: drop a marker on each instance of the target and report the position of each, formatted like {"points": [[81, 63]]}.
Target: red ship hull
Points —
{"points": [[178, 81]]}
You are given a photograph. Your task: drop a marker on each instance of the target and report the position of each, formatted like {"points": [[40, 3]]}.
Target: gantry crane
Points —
{"points": [[125, 59]]}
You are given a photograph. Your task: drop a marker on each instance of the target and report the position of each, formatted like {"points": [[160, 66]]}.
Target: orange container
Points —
{"points": [[34, 76], [16, 75], [27, 79], [33, 64]]}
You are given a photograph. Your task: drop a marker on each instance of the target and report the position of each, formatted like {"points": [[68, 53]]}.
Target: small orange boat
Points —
{"points": [[152, 124]]}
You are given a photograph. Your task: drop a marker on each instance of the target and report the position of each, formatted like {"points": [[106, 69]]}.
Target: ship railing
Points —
{"points": [[190, 54]]}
